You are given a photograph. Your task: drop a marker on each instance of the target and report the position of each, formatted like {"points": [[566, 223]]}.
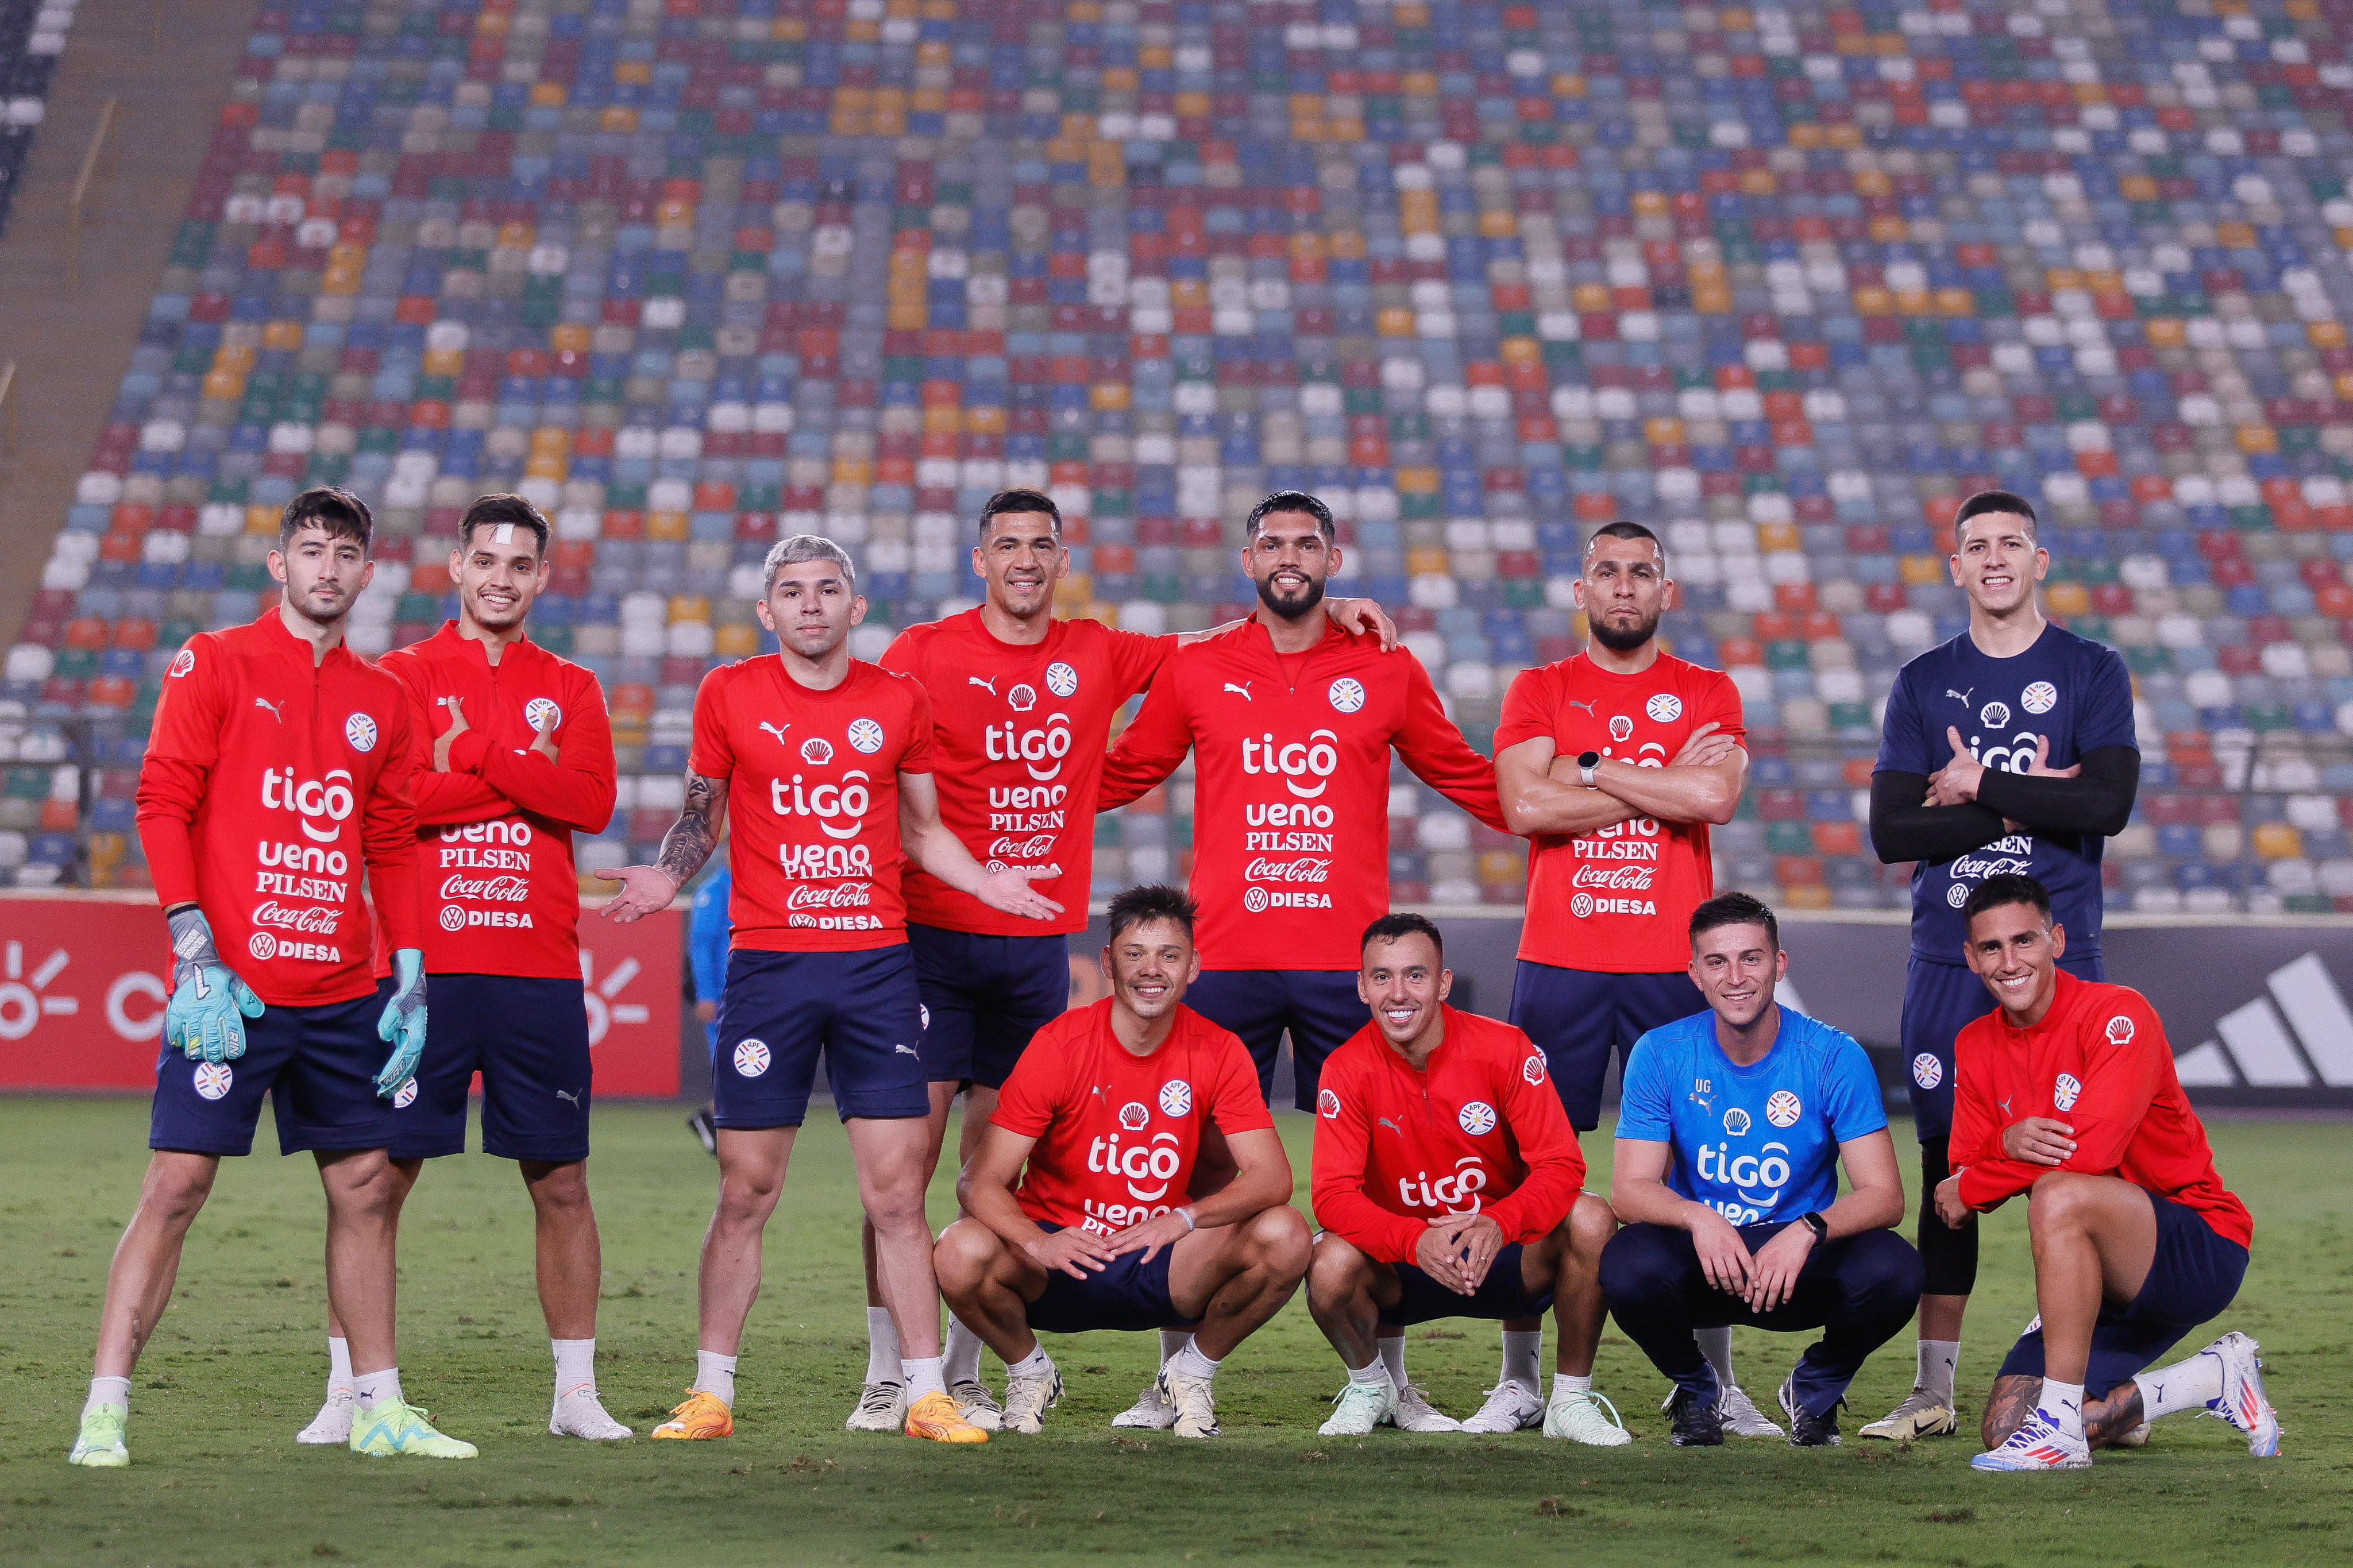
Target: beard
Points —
{"points": [[1290, 609], [1625, 639]]}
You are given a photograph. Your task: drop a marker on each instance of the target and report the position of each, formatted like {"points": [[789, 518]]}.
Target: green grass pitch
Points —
{"points": [[236, 1367]]}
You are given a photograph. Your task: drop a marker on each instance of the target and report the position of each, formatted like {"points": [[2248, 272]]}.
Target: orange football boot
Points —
{"points": [[934, 1417], [702, 1415]]}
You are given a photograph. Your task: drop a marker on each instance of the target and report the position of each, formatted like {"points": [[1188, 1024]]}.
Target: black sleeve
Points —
{"points": [[2097, 802], [1903, 829]]}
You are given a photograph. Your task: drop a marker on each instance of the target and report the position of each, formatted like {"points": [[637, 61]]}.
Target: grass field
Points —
{"points": [[236, 1367]]}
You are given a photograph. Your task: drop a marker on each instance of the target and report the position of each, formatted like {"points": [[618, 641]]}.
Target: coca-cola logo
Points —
{"points": [[1028, 848], [312, 919], [1621, 879], [1302, 870], [856, 895], [489, 890]]}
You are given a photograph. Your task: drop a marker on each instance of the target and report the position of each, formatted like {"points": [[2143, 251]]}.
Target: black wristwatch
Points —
{"points": [[1817, 1224], [1586, 762]]}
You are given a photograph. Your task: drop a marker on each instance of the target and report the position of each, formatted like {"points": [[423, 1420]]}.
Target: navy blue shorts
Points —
{"points": [[2195, 1274], [984, 997], [1940, 1001], [1580, 1018], [1130, 1295], [1502, 1296], [529, 1039], [317, 1065], [1319, 1007], [779, 1010]]}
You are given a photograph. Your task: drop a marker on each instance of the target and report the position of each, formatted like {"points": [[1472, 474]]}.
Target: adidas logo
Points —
{"points": [[2299, 1034]]}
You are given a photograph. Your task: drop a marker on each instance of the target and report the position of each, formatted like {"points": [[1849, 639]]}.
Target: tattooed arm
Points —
{"points": [[684, 848]]}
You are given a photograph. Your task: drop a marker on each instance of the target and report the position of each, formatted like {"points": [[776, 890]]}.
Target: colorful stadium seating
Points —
{"points": [[1785, 283], [32, 36]]}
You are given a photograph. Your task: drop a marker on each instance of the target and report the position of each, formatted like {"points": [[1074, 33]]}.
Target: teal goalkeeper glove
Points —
{"points": [[403, 1023], [205, 1017]]}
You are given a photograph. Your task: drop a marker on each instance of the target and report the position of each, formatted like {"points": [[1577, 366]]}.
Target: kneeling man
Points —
{"points": [[1731, 1129], [2067, 1092], [1068, 1225], [1446, 1181]]}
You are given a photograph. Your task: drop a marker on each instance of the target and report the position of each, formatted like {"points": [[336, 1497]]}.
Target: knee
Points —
{"points": [[748, 1195], [1891, 1273], [2057, 1202], [962, 1256], [559, 1190], [175, 1192], [1280, 1242], [368, 1188], [1336, 1271], [1630, 1271], [1593, 1224], [897, 1207]]}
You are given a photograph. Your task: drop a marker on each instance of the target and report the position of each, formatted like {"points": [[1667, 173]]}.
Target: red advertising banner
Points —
{"points": [[81, 995]]}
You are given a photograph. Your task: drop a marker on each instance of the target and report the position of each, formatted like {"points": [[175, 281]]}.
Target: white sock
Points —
{"points": [[922, 1376], [2064, 1403], [575, 1366], [114, 1391], [339, 1367], [1393, 1357], [1172, 1341], [1716, 1345], [2191, 1384], [374, 1388], [1941, 1362], [716, 1373], [1521, 1353], [1373, 1374], [1191, 1363], [963, 1353], [1037, 1363], [881, 1346], [1569, 1383]]}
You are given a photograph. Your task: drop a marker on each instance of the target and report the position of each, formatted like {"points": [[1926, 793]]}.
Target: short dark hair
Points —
{"points": [[2007, 887], [1736, 909], [1621, 529], [1403, 923], [1152, 901], [1290, 500], [492, 510], [2007, 502], [1019, 500], [340, 514]]}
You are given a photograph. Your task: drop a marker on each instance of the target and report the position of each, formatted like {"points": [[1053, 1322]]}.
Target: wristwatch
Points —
{"points": [[1586, 762], [1817, 1224]]}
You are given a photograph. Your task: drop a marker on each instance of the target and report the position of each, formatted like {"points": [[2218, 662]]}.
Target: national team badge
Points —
{"points": [[752, 1058], [360, 730], [865, 736], [1622, 728], [1782, 1107], [1175, 1097], [1994, 715], [2120, 1030], [1061, 680], [542, 715], [1134, 1116], [212, 1079], [1477, 1119], [406, 1096], [2040, 697], [1327, 1105], [816, 751], [1665, 708], [2064, 1091], [1926, 1070], [184, 664], [1736, 1122], [1347, 694], [1022, 697]]}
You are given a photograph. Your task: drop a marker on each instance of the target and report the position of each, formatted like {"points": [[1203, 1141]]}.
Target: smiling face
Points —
{"points": [[499, 572], [1021, 559], [1290, 560], [811, 606], [1623, 591], [1150, 964], [322, 572], [1736, 968], [2015, 950], [1997, 563], [1406, 983]]}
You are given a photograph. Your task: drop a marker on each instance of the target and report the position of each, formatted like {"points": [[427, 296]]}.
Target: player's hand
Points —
{"points": [[1704, 747], [706, 1011], [1161, 1230], [644, 889], [205, 1017], [2039, 1140], [1773, 1274], [1438, 1252], [1950, 1208], [543, 740], [458, 726], [1480, 1241], [1363, 615], [1008, 889], [403, 1024], [1955, 783], [1723, 1257], [1077, 1253]]}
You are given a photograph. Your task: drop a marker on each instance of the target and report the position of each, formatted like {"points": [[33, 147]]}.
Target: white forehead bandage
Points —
{"points": [[504, 534]]}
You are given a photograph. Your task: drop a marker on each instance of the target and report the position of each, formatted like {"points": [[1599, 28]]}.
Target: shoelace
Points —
{"points": [[1593, 1396], [881, 1399]]}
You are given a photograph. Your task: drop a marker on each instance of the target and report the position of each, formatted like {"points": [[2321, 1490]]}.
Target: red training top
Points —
{"points": [[1020, 735], [1618, 900], [270, 778], [502, 896], [812, 800], [2099, 1062], [1117, 1133], [1290, 792], [1477, 1127]]}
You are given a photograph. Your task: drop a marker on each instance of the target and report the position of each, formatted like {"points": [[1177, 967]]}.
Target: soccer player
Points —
{"points": [[1731, 1130], [2066, 1093], [1291, 720], [278, 770], [1022, 704], [2009, 749], [513, 754], [1447, 1182], [823, 763], [707, 934], [1068, 1220], [1613, 764]]}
